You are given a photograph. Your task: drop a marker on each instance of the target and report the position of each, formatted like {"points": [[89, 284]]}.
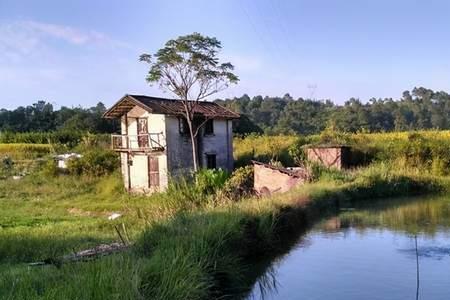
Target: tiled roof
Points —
{"points": [[167, 107]]}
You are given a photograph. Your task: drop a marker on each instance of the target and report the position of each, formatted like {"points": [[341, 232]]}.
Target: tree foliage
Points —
{"points": [[189, 68], [418, 109], [41, 117]]}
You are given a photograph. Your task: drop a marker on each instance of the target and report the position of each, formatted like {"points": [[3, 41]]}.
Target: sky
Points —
{"points": [[79, 52]]}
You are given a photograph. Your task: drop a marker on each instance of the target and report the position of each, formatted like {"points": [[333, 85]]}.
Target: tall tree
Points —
{"points": [[189, 68]]}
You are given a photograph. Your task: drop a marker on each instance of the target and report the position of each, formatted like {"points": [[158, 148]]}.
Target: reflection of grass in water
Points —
{"points": [[419, 216]]}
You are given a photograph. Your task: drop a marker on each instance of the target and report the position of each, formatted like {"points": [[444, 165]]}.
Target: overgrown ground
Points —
{"points": [[186, 244]]}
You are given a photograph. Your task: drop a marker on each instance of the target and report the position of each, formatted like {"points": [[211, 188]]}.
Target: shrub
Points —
{"points": [[6, 166], [297, 151], [96, 162], [49, 169], [240, 184], [208, 181]]}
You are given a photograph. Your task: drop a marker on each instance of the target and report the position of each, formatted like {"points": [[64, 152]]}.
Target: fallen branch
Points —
{"points": [[85, 255]]}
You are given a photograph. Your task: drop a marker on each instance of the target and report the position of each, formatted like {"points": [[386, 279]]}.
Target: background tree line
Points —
{"points": [[420, 108], [42, 117]]}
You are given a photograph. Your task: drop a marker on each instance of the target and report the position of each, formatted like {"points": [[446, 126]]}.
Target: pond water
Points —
{"points": [[368, 253]]}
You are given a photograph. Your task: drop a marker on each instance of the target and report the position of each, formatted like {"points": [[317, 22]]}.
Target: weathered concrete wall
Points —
{"points": [[138, 174], [177, 159], [333, 157], [124, 168], [179, 149], [156, 124], [273, 180], [220, 143]]}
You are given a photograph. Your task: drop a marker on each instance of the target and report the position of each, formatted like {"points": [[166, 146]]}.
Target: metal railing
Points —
{"points": [[147, 141]]}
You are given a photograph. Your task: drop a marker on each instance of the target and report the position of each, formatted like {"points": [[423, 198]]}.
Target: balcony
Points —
{"points": [[148, 142]]}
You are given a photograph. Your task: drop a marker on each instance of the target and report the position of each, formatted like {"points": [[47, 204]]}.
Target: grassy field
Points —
{"points": [[186, 245], [183, 250]]}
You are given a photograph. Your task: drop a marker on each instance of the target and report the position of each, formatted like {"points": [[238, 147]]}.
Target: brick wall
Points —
{"points": [[272, 180], [335, 157]]}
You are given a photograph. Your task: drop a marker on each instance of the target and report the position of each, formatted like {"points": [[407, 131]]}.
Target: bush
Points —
{"points": [[208, 181], [50, 169], [96, 162], [6, 166], [240, 184], [297, 151]]}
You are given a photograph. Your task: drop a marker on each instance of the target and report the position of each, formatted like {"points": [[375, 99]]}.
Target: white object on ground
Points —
{"points": [[114, 216], [62, 159]]}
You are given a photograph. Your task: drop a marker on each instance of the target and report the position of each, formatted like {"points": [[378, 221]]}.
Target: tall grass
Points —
{"points": [[263, 148], [25, 151], [187, 245], [422, 151]]}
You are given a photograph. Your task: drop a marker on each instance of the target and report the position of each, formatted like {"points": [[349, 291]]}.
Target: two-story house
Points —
{"points": [[155, 144]]}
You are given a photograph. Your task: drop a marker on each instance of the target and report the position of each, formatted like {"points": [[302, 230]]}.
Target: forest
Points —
{"points": [[417, 109]]}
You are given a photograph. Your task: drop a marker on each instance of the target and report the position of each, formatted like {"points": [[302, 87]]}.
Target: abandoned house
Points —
{"points": [[155, 144], [331, 156]]}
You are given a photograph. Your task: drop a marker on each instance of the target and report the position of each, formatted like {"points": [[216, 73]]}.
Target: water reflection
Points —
{"points": [[385, 250], [433, 252], [267, 284]]}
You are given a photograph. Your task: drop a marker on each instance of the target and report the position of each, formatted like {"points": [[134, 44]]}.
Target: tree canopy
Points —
{"points": [[189, 68], [41, 117], [420, 108]]}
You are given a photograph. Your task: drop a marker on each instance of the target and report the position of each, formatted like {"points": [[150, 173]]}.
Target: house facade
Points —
{"points": [[155, 144]]}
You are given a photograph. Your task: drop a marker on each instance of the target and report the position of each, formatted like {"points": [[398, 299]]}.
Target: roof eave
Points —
{"points": [[108, 114]]}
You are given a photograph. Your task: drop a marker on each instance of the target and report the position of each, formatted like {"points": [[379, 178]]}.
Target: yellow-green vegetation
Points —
{"points": [[417, 151], [263, 148], [195, 241], [25, 151]]}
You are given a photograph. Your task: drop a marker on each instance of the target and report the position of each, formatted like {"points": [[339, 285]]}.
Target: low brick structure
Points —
{"points": [[330, 156], [269, 179]]}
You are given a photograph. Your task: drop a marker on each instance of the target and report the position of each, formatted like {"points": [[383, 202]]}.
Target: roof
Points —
{"points": [[167, 107]]}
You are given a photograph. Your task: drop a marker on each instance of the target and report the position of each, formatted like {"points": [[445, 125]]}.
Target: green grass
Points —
{"points": [[185, 247]]}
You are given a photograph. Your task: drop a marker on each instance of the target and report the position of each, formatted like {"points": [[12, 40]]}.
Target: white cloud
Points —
{"points": [[25, 38], [70, 34]]}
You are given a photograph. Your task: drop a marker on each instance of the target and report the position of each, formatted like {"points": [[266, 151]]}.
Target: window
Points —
{"points": [[209, 127], [183, 126], [210, 161]]}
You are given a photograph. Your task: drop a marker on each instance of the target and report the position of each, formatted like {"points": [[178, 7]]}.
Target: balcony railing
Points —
{"points": [[139, 142]]}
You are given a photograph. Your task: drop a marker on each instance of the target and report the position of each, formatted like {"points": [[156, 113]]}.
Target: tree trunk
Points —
{"points": [[194, 145]]}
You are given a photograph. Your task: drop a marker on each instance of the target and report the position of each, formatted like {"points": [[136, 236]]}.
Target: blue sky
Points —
{"points": [[81, 52]]}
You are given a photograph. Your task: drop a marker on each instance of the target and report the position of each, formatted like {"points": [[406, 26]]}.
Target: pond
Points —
{"points": [[394, 249]]}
